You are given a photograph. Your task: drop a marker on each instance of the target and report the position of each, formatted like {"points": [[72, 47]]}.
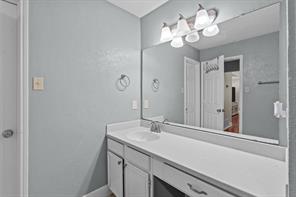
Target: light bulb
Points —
{"points": [[166, 34], [202, 19], [182, 26], [177, 42], [192, 37], [211, 31]]}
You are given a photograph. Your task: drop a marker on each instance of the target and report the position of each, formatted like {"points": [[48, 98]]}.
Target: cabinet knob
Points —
{"points": [[119, 162]]}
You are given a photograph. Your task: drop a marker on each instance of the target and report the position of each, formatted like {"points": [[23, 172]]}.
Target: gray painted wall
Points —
{"points": [[166, 64], [260, 63], [151, 23], [80, 47], [292, 98]]}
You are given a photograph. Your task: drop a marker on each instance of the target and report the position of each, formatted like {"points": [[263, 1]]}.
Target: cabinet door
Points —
{"points": [[137, 182], [115, 174]]}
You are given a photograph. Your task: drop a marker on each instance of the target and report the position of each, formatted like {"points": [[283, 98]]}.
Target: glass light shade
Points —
{"points": [[211, 31], [182, 27], [202, 19], [177, 42], [166, 34], [192, 37]]}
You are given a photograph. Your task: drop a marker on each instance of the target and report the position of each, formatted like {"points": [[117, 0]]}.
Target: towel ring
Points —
{"points": [[123, 82], [155, 85]]}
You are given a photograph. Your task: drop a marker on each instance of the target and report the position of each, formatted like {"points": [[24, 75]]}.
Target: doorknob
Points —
{"points": [[7, 133]]}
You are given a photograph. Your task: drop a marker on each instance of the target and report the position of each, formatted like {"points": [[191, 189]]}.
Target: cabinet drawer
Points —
{"points": [[190, 185], [115, 147], [137, 158]]}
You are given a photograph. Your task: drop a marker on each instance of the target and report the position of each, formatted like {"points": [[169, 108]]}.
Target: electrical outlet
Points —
{"points": [[135, 105], [146, 104]]}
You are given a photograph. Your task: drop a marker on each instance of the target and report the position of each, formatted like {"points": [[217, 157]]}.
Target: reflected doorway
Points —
{"points": [[233, 95]]}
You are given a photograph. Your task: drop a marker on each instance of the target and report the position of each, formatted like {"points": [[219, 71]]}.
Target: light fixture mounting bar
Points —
{"points": [[213, 13]]}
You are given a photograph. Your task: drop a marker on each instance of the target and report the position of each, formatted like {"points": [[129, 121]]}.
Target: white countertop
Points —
{"points": [[250, 173]]}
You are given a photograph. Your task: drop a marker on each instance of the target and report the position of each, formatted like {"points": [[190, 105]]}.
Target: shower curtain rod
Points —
{"points": [[6, 1]]}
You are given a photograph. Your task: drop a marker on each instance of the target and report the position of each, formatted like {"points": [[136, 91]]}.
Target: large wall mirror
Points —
{"points": [[227, 83]]}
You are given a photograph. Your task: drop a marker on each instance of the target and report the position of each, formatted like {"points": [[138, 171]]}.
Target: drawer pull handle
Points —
{"points": [[195, 190]]}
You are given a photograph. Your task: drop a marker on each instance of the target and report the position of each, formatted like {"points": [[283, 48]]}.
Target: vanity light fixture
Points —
{"points": [[192, 37], [190, 28], [182, 26], [211, 30], [166, 34], [202, 18], [177, 42]]}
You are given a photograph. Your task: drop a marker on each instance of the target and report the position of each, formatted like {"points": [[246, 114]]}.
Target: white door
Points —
{"points": [[213, 93], [136, 182], [191, 92], [115, 174], [8, 100]]}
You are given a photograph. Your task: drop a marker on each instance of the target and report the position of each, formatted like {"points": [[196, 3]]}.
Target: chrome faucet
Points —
{"points": [[155, 127]]}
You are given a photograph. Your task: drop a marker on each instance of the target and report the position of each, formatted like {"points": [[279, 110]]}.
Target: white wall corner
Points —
{"points": [[101, 192]]}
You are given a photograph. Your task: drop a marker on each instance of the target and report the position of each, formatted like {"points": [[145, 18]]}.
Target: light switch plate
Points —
{"points": [[135, 104], [38, 83], [146, 104]]}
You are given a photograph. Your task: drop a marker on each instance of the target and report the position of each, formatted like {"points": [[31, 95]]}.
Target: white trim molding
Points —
{"points": [[24, 98], [101, 192]]}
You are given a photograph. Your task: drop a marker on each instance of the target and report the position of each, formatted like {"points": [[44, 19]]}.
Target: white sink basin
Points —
{"points": [[142, 136]]}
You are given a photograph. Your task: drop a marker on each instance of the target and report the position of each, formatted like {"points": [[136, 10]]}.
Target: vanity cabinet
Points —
{"points": [[185, 182], [128, 171], [115, 174], [136, 181]]}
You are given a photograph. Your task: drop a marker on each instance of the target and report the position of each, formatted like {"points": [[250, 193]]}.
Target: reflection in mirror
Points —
{"points": [[228, 82]]}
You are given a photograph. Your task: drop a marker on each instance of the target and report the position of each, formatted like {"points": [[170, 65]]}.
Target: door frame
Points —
{"points": [[22, 127], [23, 97], [185, 90], [241, 83]]}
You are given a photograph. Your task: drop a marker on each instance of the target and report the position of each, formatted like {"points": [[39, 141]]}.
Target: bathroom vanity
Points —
{"points": [[197, 168], [220, 100]]}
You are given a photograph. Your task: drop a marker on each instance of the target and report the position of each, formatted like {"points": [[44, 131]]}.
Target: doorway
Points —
{"points": [[191, 92], [233, 94], [9, 99]]}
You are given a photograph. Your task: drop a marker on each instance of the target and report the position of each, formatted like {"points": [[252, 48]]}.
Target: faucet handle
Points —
{"points": [[153, 126], [158, 128]]}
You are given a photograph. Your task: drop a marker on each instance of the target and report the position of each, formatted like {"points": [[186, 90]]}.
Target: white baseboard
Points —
{"points": [[101, 192]]}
